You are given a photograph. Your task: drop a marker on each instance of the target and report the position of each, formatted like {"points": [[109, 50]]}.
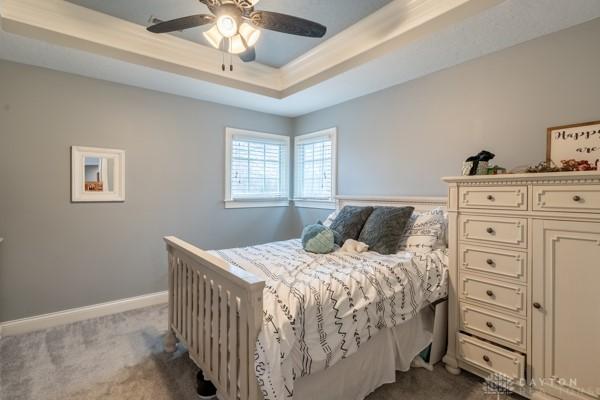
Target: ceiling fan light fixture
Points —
{"points": [[237, 44], [249, 34], [227, 25], [214, 37], [234, 26]]}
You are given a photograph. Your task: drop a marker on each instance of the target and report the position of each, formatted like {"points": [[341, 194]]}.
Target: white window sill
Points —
{"points": [[307, 203], [256, 203]]}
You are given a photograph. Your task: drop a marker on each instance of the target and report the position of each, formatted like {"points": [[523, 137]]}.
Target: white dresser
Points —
{"points": [[525, 281]]}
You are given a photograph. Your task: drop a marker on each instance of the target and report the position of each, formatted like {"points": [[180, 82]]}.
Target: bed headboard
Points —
{"points": [[418, 202]]}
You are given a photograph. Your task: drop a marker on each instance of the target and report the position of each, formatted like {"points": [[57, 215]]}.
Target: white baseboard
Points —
{"points": [[46, 321]]}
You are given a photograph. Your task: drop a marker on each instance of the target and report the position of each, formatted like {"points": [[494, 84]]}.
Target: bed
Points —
{"points": [[275, 322]]}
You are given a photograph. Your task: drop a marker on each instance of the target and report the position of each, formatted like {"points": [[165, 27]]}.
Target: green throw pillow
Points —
{"points": [[318, 239]]}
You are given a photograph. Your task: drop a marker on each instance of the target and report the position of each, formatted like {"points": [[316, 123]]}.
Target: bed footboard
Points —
{"points": [[215, 310]]}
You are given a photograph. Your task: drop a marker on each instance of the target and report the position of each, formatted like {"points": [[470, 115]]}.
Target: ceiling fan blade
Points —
{"points": [[287, 24], [249, 55], [180, 24]]}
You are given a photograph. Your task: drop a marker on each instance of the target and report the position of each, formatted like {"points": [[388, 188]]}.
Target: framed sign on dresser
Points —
{"points": [[524, 269]]}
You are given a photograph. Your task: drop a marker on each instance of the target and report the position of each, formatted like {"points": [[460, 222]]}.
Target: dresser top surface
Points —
{"points": [[575, 177]]}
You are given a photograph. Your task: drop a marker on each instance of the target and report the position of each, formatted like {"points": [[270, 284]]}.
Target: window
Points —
{"points": [[315, 169], [256, 169]]}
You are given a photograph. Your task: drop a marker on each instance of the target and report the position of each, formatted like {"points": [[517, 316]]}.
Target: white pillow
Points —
{"points": [[330, 218], [425, 232]]}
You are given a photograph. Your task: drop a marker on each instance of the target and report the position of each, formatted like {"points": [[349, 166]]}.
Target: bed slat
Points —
{"points": [[214, 322], [233, 349], [200, 316], [194, 320], [223, 337], [243, 352]]}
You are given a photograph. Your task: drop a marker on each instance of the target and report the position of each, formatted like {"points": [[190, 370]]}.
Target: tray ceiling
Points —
{"points": [[403, 40], [273, 49]]}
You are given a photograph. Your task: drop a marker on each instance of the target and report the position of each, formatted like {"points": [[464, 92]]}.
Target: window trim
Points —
{"points": [[283, 201], [308, 202]]}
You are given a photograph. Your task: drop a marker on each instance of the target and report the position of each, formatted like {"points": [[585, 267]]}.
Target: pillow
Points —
{"points": [[336, 236], [318, 239], [425, 232], [330, 218], [349, 222], [384, 228]]}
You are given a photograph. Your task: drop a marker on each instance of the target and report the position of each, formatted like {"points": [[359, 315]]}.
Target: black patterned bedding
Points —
{"points": [[320, 308]]}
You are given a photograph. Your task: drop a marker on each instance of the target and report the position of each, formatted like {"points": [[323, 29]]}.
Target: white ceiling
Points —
{"points": [[274, 48], [503, 25]]}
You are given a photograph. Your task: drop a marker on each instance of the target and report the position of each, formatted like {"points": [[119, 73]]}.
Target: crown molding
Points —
{"points": [[388, 22], [70, 25], [386, 31]]}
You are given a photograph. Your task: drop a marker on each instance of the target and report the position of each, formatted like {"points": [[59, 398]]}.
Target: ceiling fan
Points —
{"points": [[237, 25]]}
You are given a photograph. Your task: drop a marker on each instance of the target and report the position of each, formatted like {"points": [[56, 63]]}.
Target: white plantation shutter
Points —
{"points": [[315, 165], [257, 165]]}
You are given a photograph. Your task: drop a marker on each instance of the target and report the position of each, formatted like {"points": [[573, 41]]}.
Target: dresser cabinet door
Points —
{"points": [[565, 306]]}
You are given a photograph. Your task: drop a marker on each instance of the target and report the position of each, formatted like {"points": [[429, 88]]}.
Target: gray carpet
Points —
{"points": [[120, 357]]}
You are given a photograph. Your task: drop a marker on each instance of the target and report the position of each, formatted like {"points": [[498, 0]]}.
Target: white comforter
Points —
{"points": [[319, 309]]}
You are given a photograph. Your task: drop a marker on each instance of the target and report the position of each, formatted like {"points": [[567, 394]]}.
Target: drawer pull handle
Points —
{"points": [[490, 230], [576, 198], [489, 293], [489, 324], [537, 305], [489, 261], [490, 197], [486, 359]]}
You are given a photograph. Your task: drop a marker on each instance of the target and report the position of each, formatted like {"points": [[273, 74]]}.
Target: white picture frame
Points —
{"points": [[109, 164], [577, 141]]}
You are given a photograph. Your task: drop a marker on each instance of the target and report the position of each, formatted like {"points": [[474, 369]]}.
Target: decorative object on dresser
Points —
{"points": [[574, 142], [524, 253], [97, 174], [566, 166], [477, 164]]}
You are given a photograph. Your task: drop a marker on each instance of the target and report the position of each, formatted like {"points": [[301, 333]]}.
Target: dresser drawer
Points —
{"points": [[506, 296], [504, 329], [491, 358], [567, 198], [506, 198], [499, 230], [498, 262]]}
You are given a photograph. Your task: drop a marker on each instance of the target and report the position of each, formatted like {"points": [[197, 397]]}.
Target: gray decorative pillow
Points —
{"points": [[349, 222], [384, 228]]}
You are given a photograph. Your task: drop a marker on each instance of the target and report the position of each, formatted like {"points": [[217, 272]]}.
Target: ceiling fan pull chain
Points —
{"points": [[223, 61], [230, 63]]}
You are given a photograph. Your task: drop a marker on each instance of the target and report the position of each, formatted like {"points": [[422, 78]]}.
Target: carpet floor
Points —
{"points": [[120, 357]]}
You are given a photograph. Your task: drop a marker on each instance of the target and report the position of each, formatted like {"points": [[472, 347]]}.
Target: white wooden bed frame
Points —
{"points": [[215, 309]]}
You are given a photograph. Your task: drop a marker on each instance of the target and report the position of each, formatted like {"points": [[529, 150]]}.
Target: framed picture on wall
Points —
{"points": [[574, 142], [97, 174]]}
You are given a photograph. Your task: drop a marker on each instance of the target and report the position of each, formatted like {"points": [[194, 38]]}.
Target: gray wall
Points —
{"points": [[57, 255], [402, 140]]}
